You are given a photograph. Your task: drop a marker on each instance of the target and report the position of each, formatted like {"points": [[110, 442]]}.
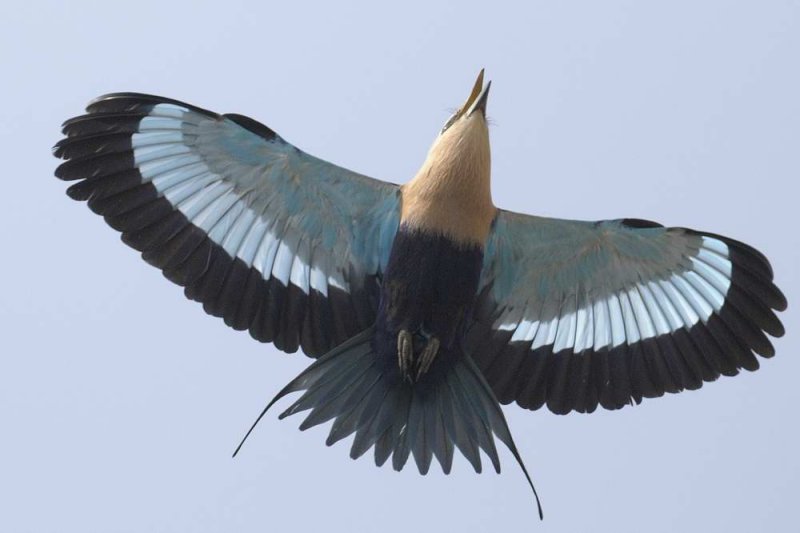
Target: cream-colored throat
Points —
{"points": [[451, 194]]}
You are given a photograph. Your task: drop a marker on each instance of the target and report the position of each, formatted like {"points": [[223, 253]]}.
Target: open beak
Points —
{"points": [[480, 102], [478, 97]]}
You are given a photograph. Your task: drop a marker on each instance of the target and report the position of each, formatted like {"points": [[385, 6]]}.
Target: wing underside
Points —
{"points": [[579, 314], [267, 237]]}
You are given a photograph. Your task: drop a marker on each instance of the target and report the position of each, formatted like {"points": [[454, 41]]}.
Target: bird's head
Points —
{"points": [[464, 138], [470, 118], [460, 153]]}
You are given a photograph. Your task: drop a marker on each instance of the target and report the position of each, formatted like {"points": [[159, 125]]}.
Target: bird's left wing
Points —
{"points": [[268, 237], [574, 313]]}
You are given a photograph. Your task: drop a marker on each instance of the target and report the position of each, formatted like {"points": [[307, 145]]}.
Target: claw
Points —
{"points": [[405, 352], [427, 356]]}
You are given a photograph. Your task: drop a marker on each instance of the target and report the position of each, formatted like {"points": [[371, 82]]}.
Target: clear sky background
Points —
{"points": [[121, 402]]}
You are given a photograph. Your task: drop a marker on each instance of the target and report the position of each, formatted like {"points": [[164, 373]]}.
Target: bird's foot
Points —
{"points": [[405, 353], [427, 356], [410, 369]]}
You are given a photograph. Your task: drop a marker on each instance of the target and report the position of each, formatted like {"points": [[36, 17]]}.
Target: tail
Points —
{"points": [[351, 386]]}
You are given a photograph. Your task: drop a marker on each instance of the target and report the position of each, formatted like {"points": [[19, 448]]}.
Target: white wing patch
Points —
{"points": [[163, 154], [646, 310]]}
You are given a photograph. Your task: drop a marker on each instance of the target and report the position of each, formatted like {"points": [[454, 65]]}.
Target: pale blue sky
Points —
{"points": [[121, 402]]}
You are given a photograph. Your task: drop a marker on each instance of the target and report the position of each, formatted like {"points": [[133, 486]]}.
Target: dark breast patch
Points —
{"points": [[429, 288]]}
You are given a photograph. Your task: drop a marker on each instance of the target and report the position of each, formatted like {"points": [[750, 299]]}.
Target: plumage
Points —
{"points": [[425, 306]]}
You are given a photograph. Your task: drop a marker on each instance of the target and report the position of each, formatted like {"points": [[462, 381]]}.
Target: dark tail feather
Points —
{"points": [[355, 389]]}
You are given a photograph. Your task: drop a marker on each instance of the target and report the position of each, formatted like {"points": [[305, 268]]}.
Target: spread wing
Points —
{"points": [[272, 239], [573, 314]]}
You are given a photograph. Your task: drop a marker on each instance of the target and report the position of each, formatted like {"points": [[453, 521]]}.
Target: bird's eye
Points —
{"points": [[449, 122]]}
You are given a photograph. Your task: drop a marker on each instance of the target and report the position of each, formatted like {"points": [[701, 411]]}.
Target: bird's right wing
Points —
{"points": [[266, 236], [575, 313]]}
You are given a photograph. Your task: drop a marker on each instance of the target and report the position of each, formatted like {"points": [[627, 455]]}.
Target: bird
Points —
{"points": [[425, 307]]}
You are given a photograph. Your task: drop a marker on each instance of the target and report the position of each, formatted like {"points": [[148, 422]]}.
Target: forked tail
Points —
{"points": [[352, 387]]}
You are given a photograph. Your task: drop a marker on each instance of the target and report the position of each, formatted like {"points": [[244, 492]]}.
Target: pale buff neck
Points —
{"points": [[451, 194]]}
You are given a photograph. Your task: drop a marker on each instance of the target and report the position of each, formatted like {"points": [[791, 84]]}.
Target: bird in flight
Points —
{"points": [[424, 306]]}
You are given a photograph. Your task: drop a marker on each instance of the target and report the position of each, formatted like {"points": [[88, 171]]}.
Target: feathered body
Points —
{"points": [[434, 267]]}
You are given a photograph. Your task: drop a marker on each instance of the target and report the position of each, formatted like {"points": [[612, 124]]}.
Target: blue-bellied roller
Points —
{"points": [[425, 306]]}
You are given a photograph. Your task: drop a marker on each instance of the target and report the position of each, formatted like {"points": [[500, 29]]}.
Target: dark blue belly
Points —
{"points": [[428, 289]]}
